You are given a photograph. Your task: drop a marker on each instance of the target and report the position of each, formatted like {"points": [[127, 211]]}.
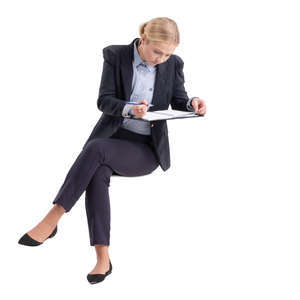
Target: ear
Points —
{"points": [[143, 38]]}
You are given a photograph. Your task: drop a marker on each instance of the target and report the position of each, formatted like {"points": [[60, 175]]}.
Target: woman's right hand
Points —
{"points": [[140, 110]]}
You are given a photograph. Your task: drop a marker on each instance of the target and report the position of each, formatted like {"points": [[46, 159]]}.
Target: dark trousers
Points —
{"points": [[125, 153]]}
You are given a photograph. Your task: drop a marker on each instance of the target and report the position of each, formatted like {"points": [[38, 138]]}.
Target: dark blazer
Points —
{"points": [[115, 88]]}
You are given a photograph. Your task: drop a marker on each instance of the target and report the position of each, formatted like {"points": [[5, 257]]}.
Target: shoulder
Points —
{"points": [[177, 61], [112, 53]]}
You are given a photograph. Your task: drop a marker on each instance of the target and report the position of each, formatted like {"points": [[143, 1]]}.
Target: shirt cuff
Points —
{"points": [[127, 110], [189, 106]]}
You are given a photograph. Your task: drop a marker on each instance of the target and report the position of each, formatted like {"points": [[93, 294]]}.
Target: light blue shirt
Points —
{"points": [[142, 88]]}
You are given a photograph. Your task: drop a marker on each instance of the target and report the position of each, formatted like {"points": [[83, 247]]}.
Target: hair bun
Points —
{"points": [[161, 30]]}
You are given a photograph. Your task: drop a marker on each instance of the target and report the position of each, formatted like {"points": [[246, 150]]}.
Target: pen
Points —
{"points": [[137, 103]]}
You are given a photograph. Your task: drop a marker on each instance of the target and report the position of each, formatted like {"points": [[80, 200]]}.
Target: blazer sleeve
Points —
{"points": [[180, 98], [107, 101]]}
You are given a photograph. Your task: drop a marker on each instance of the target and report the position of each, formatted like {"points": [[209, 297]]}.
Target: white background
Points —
{"points": [[223, 221]]}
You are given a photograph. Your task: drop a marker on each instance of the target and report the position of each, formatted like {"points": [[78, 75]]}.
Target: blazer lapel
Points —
{"points": [[126, 69], [127, 75], [159, 86]]}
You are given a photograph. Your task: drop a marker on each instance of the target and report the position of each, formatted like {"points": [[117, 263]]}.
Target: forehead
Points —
{"points": [[164, 48]]}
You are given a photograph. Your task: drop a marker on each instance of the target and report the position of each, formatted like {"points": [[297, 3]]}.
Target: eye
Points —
{"points": [[159, 53]]}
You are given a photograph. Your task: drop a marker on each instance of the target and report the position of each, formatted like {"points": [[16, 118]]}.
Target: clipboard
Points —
{"points": [[167, 114]]}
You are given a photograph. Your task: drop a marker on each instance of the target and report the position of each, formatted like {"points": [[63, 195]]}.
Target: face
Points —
{"points": [[155, 52]]}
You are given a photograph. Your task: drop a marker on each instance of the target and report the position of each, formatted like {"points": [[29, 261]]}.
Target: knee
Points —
{"points": [[95, 146]]}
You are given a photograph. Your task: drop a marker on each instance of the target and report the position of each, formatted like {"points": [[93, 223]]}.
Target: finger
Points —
{"points": [[201, 109], [195, 106], [141, 110], [144, 101]]}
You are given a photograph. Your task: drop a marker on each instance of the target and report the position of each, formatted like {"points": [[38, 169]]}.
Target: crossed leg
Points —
{"points": [[91, 171]]}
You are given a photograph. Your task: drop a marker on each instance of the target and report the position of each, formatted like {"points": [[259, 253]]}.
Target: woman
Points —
{"points": [[145, 71]]}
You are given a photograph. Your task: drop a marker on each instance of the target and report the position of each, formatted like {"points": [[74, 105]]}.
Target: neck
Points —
{"points": [[140, 51]]}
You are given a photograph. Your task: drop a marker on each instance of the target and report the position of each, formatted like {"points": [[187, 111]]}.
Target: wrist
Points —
{"points": [[191, 103]]}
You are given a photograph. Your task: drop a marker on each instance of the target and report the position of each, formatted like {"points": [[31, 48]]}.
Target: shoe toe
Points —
{"points": [[95, 278], [28, 241]]}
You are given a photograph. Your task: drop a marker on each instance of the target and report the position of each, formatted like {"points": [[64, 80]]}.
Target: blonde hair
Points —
{"points": [[160, 30]]}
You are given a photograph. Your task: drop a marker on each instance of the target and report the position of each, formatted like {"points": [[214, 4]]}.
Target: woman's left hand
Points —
{"points": [[199, 106]]}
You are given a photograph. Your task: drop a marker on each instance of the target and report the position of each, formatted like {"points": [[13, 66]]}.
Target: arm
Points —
{"points": [[107, 100], [127, 110], [189, 105], [180, 99]]}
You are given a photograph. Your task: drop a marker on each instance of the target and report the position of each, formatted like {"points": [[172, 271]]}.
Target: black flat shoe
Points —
{"points": [[95, 278], [29, 241]]}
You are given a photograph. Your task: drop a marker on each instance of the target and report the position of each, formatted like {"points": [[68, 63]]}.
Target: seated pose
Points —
{"points": [[145, 71]]}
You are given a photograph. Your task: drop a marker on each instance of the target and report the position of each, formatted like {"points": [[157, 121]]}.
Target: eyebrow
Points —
{"points": [[160, 51]]}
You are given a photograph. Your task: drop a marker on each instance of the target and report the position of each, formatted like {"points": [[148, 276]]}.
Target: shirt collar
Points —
{"points": [[138, 60]]}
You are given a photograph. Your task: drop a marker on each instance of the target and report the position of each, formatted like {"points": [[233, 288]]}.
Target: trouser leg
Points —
{"points": [[79, 176], [97, 204], [126, 158]]}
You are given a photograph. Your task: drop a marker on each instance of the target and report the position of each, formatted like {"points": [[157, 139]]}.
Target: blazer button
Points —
{"points": [[152, 125]]}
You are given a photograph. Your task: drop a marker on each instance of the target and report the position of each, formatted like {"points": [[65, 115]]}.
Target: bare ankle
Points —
{"points": [[102, 252], [58, 208], [54, 215]]}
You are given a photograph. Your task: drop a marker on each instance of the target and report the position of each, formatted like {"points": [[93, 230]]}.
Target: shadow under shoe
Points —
{"points": [[29, 241]]}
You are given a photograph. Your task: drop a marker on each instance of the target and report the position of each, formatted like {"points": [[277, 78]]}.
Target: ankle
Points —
{"points": [[102, 251], [58, 209], [101, 260], [102, 257], [50, 222], [53, 216]]}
